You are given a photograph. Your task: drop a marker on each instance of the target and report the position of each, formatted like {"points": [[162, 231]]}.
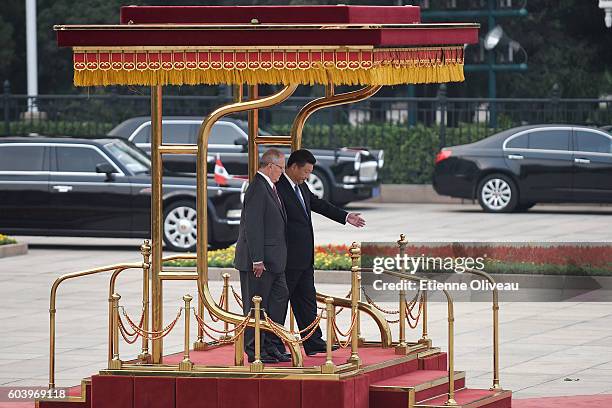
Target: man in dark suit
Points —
{"points": [[261, 252], [299, 202]]}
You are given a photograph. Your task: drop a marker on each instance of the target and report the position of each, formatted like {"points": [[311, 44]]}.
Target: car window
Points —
{"points": [[78, 159], [592, 142], [129, 156], [224, 133], [179, 133], [22, 158], [143, 135], [549, 140], [519, 142]]}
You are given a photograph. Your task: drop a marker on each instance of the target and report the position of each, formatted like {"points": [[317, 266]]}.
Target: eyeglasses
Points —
{"points": [[280, 167]]}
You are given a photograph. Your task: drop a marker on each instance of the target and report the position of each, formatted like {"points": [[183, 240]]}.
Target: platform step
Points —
{"points": [[433, 361], [471, 398], [405, 389]]}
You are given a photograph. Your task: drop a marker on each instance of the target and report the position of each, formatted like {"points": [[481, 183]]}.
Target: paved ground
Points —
{"points": [[547, 348]]}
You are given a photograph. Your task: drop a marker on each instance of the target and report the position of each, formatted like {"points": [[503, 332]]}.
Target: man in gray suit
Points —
{"points": [[261, 252]]}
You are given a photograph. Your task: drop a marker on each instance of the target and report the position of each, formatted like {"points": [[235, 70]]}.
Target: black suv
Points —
{"points": [[102, 188], [340, 175]]}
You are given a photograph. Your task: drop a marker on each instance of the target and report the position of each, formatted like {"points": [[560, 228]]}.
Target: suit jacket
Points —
{"points": [[300, 237], [262, 234]]}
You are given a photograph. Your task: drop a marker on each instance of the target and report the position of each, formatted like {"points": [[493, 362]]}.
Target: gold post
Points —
{"points": [[424, 338], [156, 223], [291, 319], [402, 347], [238, 92], [496, 385], [329, 367], [253, 118], [225, 305], [186, 364], [355, 252], [451, 352], [239, 350], [115, 363], [145, 250], [52, 312], [257, 365]]}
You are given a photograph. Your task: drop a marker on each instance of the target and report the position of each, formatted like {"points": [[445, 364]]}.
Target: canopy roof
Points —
{"points": [[347, 45]]}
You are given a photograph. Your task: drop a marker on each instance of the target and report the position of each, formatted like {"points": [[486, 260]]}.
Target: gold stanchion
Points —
{"points": [[239, 350], [329, 367], [115, 363], [225, 305], [291, 319], [257, 366], [402, 347], [355, 252], [451, 352], [186, 364], [424, 337], [145, 250], [496, 385]]}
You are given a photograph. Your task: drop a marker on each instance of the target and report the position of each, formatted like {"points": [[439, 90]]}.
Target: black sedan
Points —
{"points": [[102, 188], [517, 168], [340, 175]]}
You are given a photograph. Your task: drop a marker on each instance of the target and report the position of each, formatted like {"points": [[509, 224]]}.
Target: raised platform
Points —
{"points": [[385, 380]]}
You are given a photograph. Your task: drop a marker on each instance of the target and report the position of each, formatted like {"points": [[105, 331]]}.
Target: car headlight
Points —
{"points": [[349, 179], [234, 213]]}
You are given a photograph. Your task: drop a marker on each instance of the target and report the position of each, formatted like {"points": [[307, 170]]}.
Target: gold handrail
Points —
{"points": [[496, 385], [451, 331], [52, 309], [330, 99], [202, 182]]}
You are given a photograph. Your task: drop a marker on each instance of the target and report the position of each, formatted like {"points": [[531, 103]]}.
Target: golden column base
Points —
{"points": [[145, 358], [185, 365], [201, 346], [328, 368], [402, 349], [355, 359], [256, 366], [115, 364], [426, 342]]}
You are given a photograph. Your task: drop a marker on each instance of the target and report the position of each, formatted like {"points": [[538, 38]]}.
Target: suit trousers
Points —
{"points": [[272, 288], [303, 297]]}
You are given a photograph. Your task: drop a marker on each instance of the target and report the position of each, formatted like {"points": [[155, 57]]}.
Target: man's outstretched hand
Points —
{"points": [[355, 220]]}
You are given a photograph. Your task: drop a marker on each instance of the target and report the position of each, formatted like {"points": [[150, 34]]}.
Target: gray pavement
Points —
{"points": [[547, 349]]}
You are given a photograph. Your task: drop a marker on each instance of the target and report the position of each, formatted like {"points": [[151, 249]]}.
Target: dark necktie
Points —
{"points": [[300, 199], [277, 196]]}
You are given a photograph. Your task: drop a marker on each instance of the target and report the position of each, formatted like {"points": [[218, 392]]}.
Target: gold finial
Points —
{"points": [[254, 21]]}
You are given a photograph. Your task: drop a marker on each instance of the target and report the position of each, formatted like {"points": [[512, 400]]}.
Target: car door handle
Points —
{"points": [[62, 189], [515, 157], [583, 161]]}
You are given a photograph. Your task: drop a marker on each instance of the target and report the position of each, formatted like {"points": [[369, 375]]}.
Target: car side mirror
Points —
{"points": [[241, 141], [107, 169]]}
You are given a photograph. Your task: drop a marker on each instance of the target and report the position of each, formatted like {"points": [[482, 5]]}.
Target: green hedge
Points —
{"points": [[409, 151], [5, 240]]}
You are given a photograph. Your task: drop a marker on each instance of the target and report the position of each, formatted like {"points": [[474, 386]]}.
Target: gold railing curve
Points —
{"points": [[52, 303], [202, 184], [330, 99], [495, 302]]}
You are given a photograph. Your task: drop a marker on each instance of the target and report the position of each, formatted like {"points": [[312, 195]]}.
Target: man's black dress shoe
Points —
{"points": [[318, 350], [281, 357]]}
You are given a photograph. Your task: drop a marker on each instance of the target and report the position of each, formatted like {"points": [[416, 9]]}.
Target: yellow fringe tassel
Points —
{"points": [[381, 75]]}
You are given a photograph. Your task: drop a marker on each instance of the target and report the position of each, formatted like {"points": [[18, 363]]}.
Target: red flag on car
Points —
{"points": [[221, 175]]}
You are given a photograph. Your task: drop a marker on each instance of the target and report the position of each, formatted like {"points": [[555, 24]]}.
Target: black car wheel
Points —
{"points": [[497, 193], [318, 184], [180, 226]]}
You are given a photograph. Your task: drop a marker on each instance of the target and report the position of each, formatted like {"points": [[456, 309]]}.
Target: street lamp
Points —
{"points": [[606, 5], [497, 37]]}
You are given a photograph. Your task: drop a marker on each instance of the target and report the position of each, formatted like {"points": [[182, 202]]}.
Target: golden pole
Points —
{"points": [[402, 347], [115, 363], [253, 118], [239, 349], [496, 385], [186, 364], [156, 223], [226, 277], [451, 352], [291, 319], [52, 312], [424, 338], [257, 365], [355, 252], [329, 367], [145, 250]]}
